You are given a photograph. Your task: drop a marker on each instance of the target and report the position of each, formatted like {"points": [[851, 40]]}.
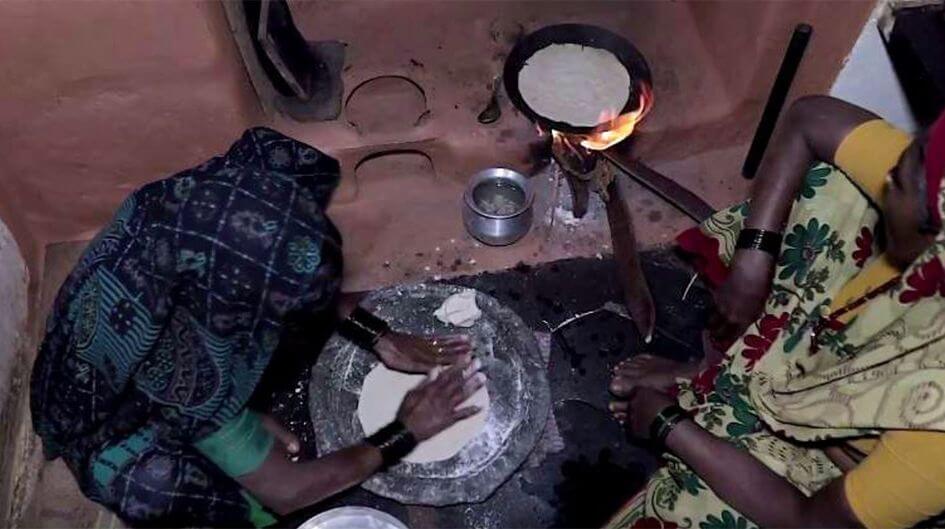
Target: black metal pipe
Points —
{"points": [[779, 92]]}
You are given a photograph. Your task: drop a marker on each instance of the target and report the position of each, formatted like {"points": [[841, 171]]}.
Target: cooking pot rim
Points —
{"points": [[494, 173]]}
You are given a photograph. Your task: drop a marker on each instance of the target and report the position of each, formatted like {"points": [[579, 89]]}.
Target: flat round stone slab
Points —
{"points": [[517, 385]]}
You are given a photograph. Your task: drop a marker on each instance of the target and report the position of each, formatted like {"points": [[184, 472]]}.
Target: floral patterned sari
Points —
{"points": [[775, 390]]}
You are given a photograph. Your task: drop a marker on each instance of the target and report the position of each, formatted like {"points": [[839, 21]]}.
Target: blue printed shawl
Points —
{"points": [[175, 309]]}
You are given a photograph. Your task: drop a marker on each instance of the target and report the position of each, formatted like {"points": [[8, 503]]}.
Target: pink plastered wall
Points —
{"points": [[97, 98]]}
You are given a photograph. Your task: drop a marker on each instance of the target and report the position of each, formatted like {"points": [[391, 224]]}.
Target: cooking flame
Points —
{"points": [[615, 128], [568, 141]]}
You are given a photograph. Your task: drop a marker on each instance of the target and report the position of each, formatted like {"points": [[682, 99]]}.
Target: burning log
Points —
{"points": [[586, 169], [579, 154]]}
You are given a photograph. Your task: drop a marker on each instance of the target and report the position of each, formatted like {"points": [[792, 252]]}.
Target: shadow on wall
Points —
{"points": [[13, 307], [14, 369]]}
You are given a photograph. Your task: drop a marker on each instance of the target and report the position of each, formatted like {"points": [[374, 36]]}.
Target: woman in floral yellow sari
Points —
{"points": [[829, 408]]}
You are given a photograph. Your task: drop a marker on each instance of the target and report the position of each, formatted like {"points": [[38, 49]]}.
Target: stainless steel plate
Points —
{"points": [[353, 518]]}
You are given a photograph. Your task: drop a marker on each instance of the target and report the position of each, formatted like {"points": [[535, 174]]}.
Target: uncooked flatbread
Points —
{"points": [[574, 84], [459, 309], [381, 395]]}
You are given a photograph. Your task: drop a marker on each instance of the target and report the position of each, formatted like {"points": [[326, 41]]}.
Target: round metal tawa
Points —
{"points": [[584, 35], [353, 518], [517, 385]]}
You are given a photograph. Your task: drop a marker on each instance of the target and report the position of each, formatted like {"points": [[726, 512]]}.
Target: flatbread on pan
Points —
{"points": [[574, 84]]}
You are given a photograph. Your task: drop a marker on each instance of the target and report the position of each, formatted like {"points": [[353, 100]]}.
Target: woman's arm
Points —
{"points": [[752, 488], [285, 487], [406, 352], [811, 130], [428, 409], [737, 477], [347, 302]]}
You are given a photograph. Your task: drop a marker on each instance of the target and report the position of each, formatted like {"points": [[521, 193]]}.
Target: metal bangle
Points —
{"points": [[363, 328], [665, 421], [371, 322], [394, 441], [357, 334]]}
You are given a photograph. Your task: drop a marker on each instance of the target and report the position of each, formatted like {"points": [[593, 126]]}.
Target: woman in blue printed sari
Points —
{"points": [[162, 332]]}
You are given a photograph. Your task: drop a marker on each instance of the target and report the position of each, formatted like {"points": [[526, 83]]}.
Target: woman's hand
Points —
{"points": [[742, 297], [637, 409], [433, 406], [418, 354]]}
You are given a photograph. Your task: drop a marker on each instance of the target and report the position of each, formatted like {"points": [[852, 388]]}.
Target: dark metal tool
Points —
{"points": [[636, 291], [681, 198], [493, 110]]}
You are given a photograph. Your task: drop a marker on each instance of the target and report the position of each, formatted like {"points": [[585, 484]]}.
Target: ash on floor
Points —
{"points": [[598, 469]]}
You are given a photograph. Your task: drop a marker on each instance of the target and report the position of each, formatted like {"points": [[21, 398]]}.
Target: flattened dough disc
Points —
{"points": [[381, 395], [574, 84]]}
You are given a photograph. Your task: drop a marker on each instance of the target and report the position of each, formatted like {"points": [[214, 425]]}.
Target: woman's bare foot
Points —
{"points": [[646, 371], [650, 371]]}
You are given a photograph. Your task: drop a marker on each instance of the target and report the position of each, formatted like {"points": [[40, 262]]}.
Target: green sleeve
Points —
{"points": [[240, 446], [258, 515]]}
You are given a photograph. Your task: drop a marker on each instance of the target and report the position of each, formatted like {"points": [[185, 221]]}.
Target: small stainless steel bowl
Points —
{"points": [[492, 228]]}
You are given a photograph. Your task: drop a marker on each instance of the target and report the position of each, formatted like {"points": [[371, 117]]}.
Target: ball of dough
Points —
{"points": [[459, 309]]}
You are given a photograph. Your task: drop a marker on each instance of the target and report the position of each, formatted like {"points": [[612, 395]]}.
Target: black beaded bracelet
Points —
{"points": [[363, 328], [394, 441], [665, 421], [764, 240]]}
